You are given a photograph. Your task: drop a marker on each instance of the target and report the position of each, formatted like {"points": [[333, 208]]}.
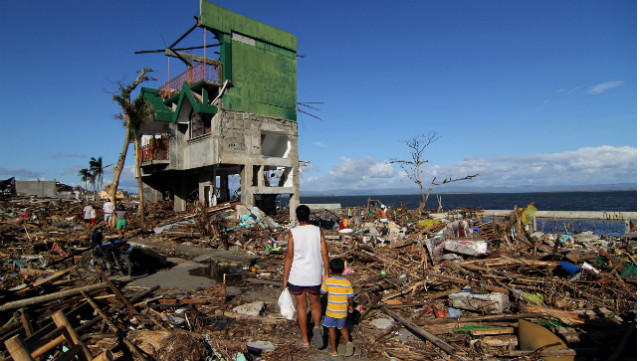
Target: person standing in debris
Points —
{"points": [[121, 220], [383, 214], [108, 209], [306, 259], [87, 213], [93, 216], [339, 301]]}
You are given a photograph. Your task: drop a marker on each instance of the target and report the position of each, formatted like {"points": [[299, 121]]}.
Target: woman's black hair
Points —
{"points": [[303, 212]]}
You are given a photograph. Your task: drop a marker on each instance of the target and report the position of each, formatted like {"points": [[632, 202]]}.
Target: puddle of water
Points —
{"points": [[221, 273]]}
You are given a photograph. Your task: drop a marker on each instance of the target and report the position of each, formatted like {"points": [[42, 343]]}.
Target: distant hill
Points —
{"points": [[462, 189]]}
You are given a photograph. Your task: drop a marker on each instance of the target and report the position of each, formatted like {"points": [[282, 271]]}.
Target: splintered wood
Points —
{"points": [[405, 275]]}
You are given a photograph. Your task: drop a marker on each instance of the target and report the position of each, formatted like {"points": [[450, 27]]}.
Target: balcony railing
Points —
{"points": [[158, 149], [210, 71]]}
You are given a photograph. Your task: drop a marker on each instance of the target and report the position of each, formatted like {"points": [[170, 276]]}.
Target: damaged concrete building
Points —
{"points": [[232, 115]]}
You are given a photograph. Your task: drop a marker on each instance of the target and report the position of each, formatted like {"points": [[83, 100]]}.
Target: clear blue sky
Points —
{"points": [[522, 92]]}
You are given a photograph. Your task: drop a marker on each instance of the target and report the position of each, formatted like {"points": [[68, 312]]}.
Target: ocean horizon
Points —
{"points": [[621, 201]]}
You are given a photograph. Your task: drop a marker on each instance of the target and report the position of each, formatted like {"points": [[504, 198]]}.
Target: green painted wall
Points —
{"points": [[258, 59]]}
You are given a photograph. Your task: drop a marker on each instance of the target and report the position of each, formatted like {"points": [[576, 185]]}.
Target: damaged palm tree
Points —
{"points": [[134, 113], [413, 168]]}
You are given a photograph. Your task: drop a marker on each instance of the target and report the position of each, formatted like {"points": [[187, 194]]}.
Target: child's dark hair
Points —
{"points": [[336, 265], [303, 212]]}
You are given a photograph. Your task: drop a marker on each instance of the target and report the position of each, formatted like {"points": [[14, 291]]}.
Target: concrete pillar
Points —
{"points": [[151, 194], [294, 202], [214, 187], [246, 178], [180, 198], [204, 183], [259, 176], [224, 188]]}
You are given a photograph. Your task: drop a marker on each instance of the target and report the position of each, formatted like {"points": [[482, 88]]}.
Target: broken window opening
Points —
{"points": [[276, 176], [199, 124], [275, 144], [255, 175]]}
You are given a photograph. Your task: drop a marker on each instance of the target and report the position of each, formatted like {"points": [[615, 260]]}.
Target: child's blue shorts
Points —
{"points": [[334, 322]]}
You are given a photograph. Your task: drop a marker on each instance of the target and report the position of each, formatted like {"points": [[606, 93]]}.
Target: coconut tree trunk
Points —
{"points": [[136, 143], [117, 170]]}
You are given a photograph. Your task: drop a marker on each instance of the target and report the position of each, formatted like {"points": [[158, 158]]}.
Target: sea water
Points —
{"points": [[622, 201]]}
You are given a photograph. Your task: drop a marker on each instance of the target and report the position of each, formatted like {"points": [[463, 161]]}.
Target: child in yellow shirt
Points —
{"points": [[339, 301]]}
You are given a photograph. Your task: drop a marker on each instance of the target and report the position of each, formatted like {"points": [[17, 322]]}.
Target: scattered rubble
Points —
{"points": [[473, 289]]}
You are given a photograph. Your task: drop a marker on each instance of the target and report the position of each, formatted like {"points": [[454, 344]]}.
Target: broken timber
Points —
{"points": [[422, 332]]}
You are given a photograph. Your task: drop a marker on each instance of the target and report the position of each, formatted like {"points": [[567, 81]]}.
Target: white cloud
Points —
{"points": [[19, 173], [601, 88], [591, 165], [320, 144], [350, 173]]}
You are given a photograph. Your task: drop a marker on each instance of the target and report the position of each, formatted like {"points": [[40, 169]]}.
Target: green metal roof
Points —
{"points": [[163, 113]]}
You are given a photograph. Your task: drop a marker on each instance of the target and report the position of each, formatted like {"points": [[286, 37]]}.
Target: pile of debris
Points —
{"points": [[471, 288]]}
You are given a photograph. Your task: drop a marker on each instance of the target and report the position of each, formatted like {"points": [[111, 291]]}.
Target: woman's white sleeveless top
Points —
{"points": [[307, 265]]}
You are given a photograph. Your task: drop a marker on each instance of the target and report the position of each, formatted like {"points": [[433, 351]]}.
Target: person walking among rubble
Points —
{"points": [[87, 213], [305, 261], [108, 207], [121, 220], [384, 218], [339, 301], [93, 216]]}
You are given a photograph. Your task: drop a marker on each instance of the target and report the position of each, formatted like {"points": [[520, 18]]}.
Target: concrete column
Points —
{"points": [[204, 181], [224, 188], [150, 194], [260, 176], [246, 178], [294, 202], [180, 198], [214, 187]]}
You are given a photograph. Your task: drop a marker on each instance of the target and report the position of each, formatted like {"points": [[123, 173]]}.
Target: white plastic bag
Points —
{"points": [[287, 309]]}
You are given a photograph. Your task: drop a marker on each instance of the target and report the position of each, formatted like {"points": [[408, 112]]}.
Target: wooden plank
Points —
{"points": [[60, 320], [53, 277], [421, 331], [117, 292], [492, 331], [50, 297], [481, 318], [17, 350], [189, 301]]}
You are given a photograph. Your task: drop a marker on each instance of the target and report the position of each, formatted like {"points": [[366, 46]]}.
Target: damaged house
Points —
{"points": [[232, 115]]}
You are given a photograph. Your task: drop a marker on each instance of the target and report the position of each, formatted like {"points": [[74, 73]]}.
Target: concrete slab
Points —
{"points": [[201, 254], [178, 277]]}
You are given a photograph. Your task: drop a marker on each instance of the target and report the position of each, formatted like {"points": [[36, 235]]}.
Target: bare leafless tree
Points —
{"points": [[414, 167]]}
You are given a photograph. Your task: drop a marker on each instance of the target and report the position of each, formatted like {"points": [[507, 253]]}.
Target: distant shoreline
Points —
{"points": [[418, 194]]}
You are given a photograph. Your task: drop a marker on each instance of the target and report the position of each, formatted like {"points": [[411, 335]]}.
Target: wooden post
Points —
{"points": [[26, 322], [421, 331], [17, 349], [50, 297], [117, 292], [133, 347], [60, 320]]}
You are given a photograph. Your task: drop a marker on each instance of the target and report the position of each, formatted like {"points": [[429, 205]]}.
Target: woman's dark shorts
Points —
{"points": [[297, 290]]}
